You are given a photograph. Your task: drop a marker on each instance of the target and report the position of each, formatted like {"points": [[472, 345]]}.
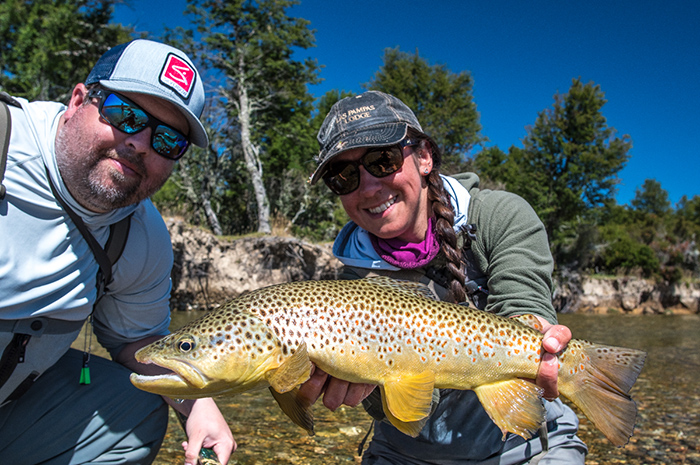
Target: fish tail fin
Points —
{"points": [[597, 379]]}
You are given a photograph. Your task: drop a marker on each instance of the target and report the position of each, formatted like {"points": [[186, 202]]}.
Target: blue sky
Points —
{"points": [[645, 55]]}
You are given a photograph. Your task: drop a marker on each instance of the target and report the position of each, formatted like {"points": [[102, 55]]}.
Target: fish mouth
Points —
{"points": [[170, 385], [183, 380]]}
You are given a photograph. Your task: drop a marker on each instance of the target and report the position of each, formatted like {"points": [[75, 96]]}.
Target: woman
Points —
{"points": [[485, 247]]}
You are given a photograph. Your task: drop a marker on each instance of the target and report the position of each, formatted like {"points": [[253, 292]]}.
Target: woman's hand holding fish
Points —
{"points": [[336, 392], [556, 337]]}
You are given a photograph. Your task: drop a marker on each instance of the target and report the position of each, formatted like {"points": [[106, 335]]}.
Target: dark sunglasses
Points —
{"points": [[343, 177], [128, 117]]}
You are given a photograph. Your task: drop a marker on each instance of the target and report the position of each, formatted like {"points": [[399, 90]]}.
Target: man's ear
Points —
{"points": [[77, 99]]}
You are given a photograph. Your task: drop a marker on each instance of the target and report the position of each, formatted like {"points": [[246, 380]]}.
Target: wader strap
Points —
{"points": [[361, 446], [26, 353], [118, 234], [23, 386], [97, 250], [113, 249], [12, 355], [5, 130]]}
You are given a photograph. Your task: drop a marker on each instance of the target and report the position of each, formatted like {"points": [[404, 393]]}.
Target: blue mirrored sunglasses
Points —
{"points": [[128, 117]]}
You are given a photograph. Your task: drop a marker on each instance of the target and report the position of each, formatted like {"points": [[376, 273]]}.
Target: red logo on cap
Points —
{"points": [[178, 75]]}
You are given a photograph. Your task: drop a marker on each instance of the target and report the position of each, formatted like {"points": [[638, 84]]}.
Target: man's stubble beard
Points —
{"points": [[84, 173]]}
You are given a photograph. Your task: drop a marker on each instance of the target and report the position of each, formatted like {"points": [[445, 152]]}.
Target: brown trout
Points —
{"points": [[389, 333]]}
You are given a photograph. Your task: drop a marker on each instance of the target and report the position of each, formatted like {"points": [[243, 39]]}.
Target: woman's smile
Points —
{"points": [[383, 207]]}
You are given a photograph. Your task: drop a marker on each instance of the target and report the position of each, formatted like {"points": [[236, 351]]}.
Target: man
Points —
{"points": [[102, 156]]}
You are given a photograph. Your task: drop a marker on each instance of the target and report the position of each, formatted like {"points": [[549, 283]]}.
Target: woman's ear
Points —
{"points": [[425, 158]]}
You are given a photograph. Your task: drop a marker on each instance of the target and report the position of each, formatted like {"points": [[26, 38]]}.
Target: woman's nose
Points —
{"points": [[368, 183]]}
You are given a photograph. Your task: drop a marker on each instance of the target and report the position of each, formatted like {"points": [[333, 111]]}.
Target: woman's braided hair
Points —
{"points": [[441, 206]]}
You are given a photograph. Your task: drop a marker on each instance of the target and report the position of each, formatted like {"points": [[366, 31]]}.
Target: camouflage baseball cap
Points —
{"points": [[371, 119]]}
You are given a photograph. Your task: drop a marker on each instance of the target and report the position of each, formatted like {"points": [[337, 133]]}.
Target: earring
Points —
{"points": [[426, 171]]}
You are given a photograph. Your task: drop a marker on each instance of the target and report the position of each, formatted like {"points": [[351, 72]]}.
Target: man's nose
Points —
{"points": [[140, 141]]}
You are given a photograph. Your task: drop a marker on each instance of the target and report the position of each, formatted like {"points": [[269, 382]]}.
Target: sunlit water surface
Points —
{"points": [[667, 395]]}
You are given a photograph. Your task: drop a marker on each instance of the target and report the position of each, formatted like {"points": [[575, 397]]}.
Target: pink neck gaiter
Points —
{"points": [[408, 255]]}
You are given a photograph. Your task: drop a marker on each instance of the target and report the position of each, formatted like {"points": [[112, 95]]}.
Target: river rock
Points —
{"points": [[208, 271]]}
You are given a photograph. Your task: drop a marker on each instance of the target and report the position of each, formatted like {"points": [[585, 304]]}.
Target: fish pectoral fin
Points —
{"points": [[296, 408], [515, 406], [409, 398], [411, 428], [292, 372]]}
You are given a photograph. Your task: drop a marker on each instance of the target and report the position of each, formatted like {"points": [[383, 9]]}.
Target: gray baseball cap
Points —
{"points": [[371, 119], [152, 68]]}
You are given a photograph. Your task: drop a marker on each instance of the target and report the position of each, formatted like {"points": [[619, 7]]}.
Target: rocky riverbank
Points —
{"points": [[208, 271]]}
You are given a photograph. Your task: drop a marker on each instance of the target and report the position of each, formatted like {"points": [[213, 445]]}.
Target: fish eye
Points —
{"points": [[186, 345]]}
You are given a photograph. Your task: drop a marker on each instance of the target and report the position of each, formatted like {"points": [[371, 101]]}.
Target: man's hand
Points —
{"points": [[206, 427], [336, 392]]}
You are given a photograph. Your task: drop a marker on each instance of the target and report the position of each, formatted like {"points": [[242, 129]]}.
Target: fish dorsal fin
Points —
{"points": [[514, 405], [296, 408], [409, 397], [411, 428], [397, 285], [292, 372], [530, 321]]}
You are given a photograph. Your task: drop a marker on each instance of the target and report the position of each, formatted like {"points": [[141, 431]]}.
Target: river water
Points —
{"points": [[667, 394]]}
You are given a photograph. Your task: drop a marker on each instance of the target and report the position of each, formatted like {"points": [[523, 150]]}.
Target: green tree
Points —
{"points": [[47, 46], [569, 161], [690, 208], [441, 99], [623, 254], [250, 46], [651, 198], [319, 213]]}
